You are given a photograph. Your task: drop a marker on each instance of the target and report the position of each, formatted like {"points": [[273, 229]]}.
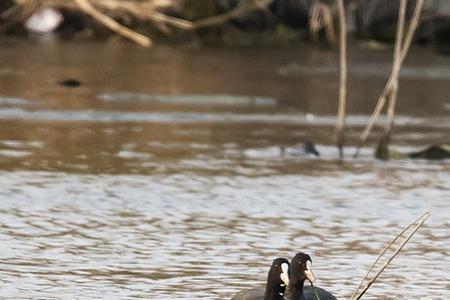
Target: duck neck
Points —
{"points": [[274, 291], [296, 290]]}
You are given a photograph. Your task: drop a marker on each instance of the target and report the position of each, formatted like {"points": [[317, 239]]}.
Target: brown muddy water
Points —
{"points": [[161, 177]]}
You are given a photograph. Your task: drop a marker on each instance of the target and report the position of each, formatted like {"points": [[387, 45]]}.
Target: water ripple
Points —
{"points": [[184, 237]]}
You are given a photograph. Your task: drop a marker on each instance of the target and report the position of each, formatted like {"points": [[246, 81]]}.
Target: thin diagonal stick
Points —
{"points": [[394, 74], [419, 221]]}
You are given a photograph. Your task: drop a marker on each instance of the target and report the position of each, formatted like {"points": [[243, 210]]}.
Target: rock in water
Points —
{"points": [[44, 21], [432, 152]]}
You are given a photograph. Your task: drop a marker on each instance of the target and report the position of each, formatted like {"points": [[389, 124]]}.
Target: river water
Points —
{"points": [[163, 175]]}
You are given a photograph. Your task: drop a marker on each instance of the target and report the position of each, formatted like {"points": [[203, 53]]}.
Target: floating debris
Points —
{"points": [[70, 83]]}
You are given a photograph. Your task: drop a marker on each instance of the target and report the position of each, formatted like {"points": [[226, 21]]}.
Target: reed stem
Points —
{"points": [[393, 77], [340, 125], [382, 151]]}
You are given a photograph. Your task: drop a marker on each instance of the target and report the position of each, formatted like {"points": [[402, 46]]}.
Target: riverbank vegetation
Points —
{"points": [[222, 22]]}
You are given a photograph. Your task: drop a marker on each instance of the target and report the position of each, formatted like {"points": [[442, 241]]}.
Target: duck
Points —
{"points": [[277, 281], [300, 270], [308, 148]]}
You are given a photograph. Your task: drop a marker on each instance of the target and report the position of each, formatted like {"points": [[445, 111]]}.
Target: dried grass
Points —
{"points": [[104, 12]]}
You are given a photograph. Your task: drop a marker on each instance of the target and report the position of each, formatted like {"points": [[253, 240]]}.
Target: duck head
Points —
{"points": [[301, 269]]}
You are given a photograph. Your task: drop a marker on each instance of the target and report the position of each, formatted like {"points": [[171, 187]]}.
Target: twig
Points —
{"points": [[339, 134], [176, 22], [419, 221], [394, 74], [113, 25]]}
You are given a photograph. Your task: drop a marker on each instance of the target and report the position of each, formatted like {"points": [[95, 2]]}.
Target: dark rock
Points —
{"points": [[201, 9], [294, 13], [441, 34], [377, 19], [9, 20], [257, 20], [73, 22], [432, 152], [5, 5], [254, 19]]}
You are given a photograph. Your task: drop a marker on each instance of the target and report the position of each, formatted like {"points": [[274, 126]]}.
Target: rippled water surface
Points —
{"points": [[170, 174]]}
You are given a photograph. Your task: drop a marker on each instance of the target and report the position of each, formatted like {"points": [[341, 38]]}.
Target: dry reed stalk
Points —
{"points": [[339, 132], [419, 221], [145, 10], [175, 22], [382, 147], [87, 7], [101, 11], [393, 77], [321, 17]]}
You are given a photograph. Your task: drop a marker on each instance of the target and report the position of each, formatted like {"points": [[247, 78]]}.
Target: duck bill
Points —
{"points": [[315, 152], [285, 278], [310, 276]]}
